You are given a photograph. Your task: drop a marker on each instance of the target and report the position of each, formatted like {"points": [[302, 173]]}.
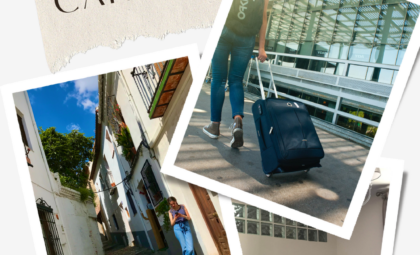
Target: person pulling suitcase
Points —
{"points": [[237, 40]]}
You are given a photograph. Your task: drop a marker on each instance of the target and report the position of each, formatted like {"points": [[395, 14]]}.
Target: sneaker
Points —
{"points": [[212, 130], [237, 133]]}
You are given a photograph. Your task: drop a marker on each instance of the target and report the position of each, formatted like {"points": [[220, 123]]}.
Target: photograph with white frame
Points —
{"points": [[374, 232], [114, 199], [213, 179]]}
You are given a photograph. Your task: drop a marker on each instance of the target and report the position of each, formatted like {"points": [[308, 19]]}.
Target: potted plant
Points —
{"points": [[124, 140]]}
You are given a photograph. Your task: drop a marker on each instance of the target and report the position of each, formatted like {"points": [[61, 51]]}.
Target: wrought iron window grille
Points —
{"points": [[146, 79], [49, 229], [151, 185]]}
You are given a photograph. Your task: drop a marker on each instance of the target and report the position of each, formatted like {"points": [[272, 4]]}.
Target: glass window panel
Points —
{"points": [[331, 67], [288, 62], [345, 23], [310, 26], [317, 65], [279, 231], [322, 236], [324, 115], [338, 50], [346, 3], [384, 54], [265, 216], [301, 5], [348, 109], [281, 47], [356, 71], [328, 103], [302, 63], [321, 49], [292, 47], [311, 109], [360, 106], [276, 15], [315, 4], [300, 224], [282, 89], [312, 235], [279, 219], [253, 212], [390, 24], [266, 229], [380, 75], [295, 93], [411, 19], [394, 77], [240, 225], [310, 98], [370, 2], [302, 234], [326, 25], [270, 44], [296, 27], [340, 69], [239, 210], [290, 222], [305, 48], [360, 52], [286, 20], [330, 4], [401, 53], [290, 232], [365, 26], [253, 227], [346, 122]]}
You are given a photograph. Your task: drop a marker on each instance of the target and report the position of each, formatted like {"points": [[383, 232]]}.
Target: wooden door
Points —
{"points": [[211, 218]]}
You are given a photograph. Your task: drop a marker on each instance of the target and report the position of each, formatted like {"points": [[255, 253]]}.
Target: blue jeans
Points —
{"points": [[240, 50], [183, 234]]}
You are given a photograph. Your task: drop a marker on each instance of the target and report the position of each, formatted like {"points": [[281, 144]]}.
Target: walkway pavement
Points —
{"points": [[114, 249], [324, 192]]}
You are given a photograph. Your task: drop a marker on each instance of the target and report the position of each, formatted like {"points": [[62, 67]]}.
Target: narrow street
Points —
{"points": [[112, 249]]}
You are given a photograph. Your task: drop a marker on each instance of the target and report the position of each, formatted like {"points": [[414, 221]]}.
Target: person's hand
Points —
{"points": [[183, 216], [177, 215], [262, 56]]}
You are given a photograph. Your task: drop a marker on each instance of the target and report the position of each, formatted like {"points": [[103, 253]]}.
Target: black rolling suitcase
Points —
{"points": [[286, 135]]}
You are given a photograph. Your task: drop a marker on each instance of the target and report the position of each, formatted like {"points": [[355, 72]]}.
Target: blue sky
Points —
{"points": [[66, 106]]}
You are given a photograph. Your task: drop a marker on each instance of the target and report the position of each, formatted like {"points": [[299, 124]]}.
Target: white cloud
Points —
{"points": [[86, 93], [72, 126]]}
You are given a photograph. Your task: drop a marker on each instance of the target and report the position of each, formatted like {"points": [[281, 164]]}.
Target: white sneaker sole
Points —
{"points": [[238, 138], [210, 134]]}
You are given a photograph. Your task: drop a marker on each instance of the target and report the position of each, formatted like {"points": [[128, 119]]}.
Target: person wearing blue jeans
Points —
{"points": [[238, 41], [179, 217]]}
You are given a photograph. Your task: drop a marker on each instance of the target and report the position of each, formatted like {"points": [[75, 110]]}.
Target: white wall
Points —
{"points": [[80, 225]]}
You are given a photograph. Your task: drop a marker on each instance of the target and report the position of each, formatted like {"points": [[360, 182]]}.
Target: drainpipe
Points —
{"points": [[45, 162]]}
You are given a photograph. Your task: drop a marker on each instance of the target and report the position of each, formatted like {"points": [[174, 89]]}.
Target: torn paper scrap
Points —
{"points": [[69, 27]]}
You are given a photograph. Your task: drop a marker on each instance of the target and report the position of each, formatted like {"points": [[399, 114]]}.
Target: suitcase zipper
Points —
{"points": [[301, 130]]}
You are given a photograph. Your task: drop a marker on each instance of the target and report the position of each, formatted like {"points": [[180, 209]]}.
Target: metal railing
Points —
{"points": [[147, 80]]}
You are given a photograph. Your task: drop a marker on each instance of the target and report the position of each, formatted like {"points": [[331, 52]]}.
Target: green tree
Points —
{"points": [[67, 154]]}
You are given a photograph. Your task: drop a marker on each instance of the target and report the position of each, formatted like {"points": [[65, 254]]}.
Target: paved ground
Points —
{"points": [[324, 192], [112, 249]]}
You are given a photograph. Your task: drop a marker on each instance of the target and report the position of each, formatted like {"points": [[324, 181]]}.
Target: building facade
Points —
{"points": [[340, 58], [68, 225], [147, 101]]}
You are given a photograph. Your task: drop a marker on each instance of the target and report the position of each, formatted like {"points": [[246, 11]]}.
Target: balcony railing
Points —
{"points": [[147, 80]]}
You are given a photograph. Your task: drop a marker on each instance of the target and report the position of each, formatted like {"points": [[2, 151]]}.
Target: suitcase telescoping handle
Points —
{"points": [[260, 81]]}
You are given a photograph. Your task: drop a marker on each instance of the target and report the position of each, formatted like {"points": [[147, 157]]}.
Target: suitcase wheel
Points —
{"points": [[269, 175], [307, 170]]}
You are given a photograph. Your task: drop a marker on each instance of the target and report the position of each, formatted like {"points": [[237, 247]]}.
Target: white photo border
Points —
{"points": [[344, 231], [388, 238], [6, 96]]}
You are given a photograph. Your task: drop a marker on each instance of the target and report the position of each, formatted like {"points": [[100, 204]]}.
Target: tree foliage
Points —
{"points": [[67, 154]]}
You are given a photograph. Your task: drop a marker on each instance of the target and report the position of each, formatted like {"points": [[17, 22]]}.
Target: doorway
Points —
{"points": [[211, 218]]}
